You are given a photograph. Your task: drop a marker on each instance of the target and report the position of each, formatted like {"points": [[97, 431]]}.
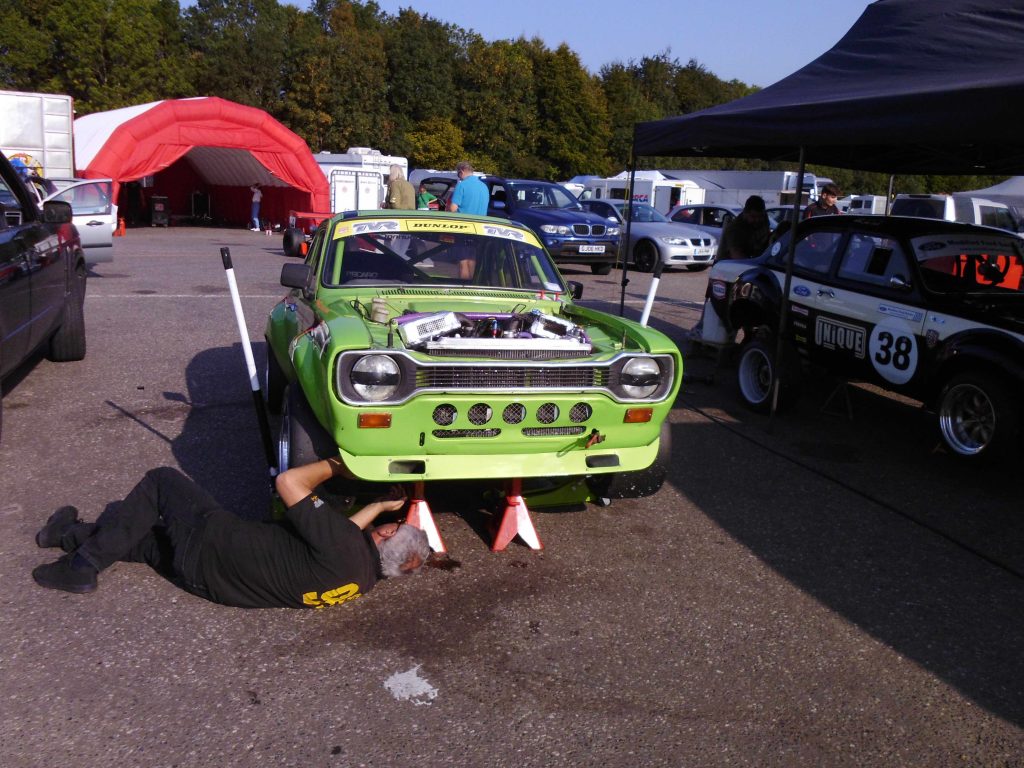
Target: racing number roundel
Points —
{"points": [[893, 352]]}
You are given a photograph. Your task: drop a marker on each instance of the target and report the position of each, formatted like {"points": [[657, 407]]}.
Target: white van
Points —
{"points": [[873, 205], [970, 210]]}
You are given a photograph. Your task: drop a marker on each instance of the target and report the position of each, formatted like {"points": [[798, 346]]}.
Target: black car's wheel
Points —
{"points": [[601, 269], [978, 418], [757, 370], [274, 383], [293, 241], [301, 439], [68, 342], [643, 482], [645, 256]]}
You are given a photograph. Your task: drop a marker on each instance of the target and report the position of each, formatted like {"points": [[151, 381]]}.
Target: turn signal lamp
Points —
{"points": [[374, 420], [638, 415]]}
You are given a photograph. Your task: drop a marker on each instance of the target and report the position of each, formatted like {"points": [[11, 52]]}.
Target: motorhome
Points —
{"points": [[651, 187], [358, 179]]}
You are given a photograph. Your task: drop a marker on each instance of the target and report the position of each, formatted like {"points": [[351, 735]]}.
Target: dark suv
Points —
{"points": [[42, 277], [571, 234]]}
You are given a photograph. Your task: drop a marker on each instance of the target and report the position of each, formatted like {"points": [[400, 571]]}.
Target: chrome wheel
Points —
{"points": [[967, 418]]}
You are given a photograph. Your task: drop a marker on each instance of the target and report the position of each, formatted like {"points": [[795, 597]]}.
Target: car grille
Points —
{"points": [[588, 229], [511, 354], [466, 377]]}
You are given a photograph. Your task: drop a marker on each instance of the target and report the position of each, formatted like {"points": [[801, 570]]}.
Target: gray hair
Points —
{"points": [[464, 166], [405, 552], [396, 173]]}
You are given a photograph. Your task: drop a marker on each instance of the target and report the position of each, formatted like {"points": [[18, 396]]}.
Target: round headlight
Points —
{"points": [[641, 377], [375, 377]]}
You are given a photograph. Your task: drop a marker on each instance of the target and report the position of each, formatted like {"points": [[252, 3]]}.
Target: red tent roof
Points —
{"points": [[130, 143]]}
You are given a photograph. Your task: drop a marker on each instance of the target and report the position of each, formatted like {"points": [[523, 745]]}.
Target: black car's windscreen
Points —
{"points": [[438, 258], [965, 264]]}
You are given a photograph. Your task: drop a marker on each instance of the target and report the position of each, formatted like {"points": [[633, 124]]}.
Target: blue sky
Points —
{"points": [[756, 41]]}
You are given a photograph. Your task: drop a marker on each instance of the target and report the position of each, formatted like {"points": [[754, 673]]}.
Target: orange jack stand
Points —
{"points": [[515, 521], [120, 231], [419, 517]]}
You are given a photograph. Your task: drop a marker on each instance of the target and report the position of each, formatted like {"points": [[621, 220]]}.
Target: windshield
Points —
{"points": [[535, 194], [970, 264], [489, 257], [645, 213]]}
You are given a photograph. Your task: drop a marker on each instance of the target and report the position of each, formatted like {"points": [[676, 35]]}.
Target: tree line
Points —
{"points": [[344, 73]]}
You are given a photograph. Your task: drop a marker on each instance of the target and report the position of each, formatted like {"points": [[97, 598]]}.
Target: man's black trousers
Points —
{"points": [[160, 522]]}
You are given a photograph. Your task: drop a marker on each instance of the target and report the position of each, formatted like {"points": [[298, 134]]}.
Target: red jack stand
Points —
{"points": [[515, 521], [419, 517]]}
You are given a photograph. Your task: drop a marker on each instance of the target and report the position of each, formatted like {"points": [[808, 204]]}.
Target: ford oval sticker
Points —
{"points": [[801, 290]]}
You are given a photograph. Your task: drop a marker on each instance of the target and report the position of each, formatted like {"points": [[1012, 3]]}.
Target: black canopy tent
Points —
{"points": [[915, 86]]}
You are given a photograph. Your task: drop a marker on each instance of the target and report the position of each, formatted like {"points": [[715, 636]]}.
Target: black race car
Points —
{"points": [[930, 309]]}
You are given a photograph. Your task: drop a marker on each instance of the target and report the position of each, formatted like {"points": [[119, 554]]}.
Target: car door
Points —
{"points": [[15, 286], [95, 216], [867, 321]]}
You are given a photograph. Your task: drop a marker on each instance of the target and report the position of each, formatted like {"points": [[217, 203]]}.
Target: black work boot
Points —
{"points": [[71, 573], [56, 526]]}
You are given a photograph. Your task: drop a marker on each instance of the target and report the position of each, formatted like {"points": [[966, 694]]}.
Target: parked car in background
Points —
{"points": [[93, 210], [969, 210], [42, 277], [426, 346], [653, 236], [571, 234], [780, 213], [927, 308], [710, 218], [95, 214]]}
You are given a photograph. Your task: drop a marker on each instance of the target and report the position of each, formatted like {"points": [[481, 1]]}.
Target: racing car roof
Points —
{"points": [[915, 86]]}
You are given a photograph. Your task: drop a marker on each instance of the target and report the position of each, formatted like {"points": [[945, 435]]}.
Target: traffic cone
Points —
{"points": [[120, 231], [419, 517], [515, 521]]}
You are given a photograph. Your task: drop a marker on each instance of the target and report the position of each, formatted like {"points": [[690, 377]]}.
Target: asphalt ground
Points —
{"points": [[827, 587]]}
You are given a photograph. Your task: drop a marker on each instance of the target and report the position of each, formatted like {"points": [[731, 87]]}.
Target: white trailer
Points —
{"points": [[734, 187], [358, 179], [35, 128], [651, 187]]}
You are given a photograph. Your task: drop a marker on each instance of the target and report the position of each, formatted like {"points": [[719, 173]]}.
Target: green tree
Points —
{"points": [[572, 125], [435, 143]]}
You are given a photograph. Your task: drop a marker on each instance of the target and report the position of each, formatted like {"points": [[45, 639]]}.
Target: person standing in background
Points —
{"points": [[254, 212], [401, 195]]}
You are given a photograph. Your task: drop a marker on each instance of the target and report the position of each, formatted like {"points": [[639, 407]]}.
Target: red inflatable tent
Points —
{"points": [[204, 146]]}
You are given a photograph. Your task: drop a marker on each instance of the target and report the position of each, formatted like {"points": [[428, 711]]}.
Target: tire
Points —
{"points": [[978, 418], [293, 240], [274, 383], [301, 438], [601, 269], [68, 342], [642, 482], [645, 256], [756, 373]]}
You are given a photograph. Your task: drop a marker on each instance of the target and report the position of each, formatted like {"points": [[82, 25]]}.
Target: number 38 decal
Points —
{"points": [[893, 353]]}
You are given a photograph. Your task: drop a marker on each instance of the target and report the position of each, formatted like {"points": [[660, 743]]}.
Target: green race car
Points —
{"points": [[423, 346]]}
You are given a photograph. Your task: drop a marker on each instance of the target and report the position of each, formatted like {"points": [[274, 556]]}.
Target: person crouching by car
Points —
{"points": [[746, 236], [320, 557]]}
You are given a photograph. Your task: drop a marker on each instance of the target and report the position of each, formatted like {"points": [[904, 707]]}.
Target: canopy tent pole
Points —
{"points": [[624, 237], [888, 195], [794, 217]]}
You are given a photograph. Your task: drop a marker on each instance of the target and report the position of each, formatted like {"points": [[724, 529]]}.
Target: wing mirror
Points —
{"points": [[575, 289], [298, 276], [57, 212]]}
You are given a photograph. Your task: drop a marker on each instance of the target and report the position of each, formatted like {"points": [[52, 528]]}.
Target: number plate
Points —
{"points": [[591, 249], [703, 251]]}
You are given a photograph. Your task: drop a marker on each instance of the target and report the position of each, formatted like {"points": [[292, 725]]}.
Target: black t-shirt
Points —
{"points": [[317, 557]]}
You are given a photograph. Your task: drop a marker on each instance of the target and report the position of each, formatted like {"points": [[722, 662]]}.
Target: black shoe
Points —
{"points": [[56, 526], [63, 575]]}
